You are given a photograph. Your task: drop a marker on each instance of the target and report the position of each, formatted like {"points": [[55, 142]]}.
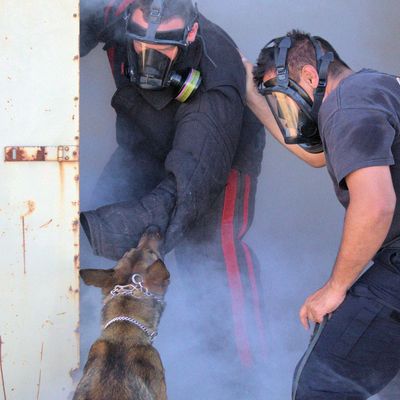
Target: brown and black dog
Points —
{"points": [[122, 363]]}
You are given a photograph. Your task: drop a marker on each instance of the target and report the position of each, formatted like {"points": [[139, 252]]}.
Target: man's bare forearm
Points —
{"points": [[367, 222]]}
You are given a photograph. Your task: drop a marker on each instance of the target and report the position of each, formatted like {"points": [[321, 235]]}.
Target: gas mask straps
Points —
{"points": [[152, 53], [295, 113]]}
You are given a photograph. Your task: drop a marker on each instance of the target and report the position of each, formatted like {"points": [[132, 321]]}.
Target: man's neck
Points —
{"points": [[333, 82]]}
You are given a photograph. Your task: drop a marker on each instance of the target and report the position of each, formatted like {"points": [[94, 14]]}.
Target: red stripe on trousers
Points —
{"points": [[232, 267], [111, 56], [256, 299], [250, 266]]}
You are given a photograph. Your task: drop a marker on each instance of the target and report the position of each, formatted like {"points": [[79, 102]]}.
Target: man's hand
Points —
{"points": [[252, 94], [324, 301], [257, 103]]}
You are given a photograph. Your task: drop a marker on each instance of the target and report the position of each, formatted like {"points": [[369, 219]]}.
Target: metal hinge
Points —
{"points": [[65, 153]]}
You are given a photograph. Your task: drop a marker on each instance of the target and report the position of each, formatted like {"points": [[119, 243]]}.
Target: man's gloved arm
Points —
{"points": [[207, 134], [206, 139], [91, 24], [114, 229]]}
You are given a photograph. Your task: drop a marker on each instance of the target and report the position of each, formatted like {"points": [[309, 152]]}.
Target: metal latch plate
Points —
{"points": [[64, 153]]}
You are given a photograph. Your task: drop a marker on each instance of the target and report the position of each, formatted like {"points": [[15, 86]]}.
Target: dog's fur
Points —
{"points": [[122, 363]]}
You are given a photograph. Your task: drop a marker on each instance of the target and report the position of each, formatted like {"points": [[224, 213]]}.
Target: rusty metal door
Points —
{"points": [[39, 199]]}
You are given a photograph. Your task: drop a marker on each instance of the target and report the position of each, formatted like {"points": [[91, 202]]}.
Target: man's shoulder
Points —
{"points": [[221, 63], [366, 82], [364, 90]]}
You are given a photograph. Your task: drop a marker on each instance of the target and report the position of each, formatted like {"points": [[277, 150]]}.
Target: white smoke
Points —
{"points": [[298, 221]]}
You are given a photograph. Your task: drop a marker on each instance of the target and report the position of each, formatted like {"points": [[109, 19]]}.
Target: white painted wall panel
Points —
{"points": [[39, 200]]}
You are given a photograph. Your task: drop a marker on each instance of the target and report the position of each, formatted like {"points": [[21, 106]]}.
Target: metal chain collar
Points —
{"points": [[150, 333], [135, 289]]}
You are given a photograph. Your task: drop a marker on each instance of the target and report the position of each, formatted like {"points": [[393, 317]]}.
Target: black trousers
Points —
{"points": [[214, 322], [356, 353]]}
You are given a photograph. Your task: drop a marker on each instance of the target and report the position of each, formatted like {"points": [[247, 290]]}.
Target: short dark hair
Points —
{"points": [[171, 8], [300, 54]]}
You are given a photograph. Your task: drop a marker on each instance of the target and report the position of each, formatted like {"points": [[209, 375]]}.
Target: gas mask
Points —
{"points": [[295, 113], [150, 68]]}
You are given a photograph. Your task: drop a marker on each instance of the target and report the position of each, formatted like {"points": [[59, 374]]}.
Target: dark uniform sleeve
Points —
{"points": [[207, 133], [205, 143], [114, 229], [358, 138], [91, 24]]}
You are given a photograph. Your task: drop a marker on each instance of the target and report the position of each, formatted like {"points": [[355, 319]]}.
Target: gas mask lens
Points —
{"points": [[154, 64], [287, 115]]}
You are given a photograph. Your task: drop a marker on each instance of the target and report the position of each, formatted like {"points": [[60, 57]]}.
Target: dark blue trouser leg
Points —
{"points": [[356, 354]]}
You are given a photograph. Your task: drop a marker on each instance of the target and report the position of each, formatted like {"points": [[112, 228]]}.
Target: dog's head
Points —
{"points": [[144, 260]]}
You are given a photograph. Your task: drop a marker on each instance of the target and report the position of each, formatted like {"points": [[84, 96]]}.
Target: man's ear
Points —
{"points": [[309, 75], [101, 278], [193, 33], [157, 277]]}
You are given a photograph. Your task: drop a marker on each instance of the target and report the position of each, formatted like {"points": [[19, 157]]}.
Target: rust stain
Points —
{"points": [[31, 208], [76, 261], [40, 373], [74, 15], [75, 225], [76, 58], [72, 290], [25, 154], [76, 98], [1, 371], [15, 153], [73, 293], [62, 180], [23, 243], [46, 224], [41, 153]]}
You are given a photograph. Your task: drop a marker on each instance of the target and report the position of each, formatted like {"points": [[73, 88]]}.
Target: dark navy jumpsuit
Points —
{"points": [[190, 168]]}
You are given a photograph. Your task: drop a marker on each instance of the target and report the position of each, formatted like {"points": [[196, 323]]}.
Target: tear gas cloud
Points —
{"points": [[297, 225]]}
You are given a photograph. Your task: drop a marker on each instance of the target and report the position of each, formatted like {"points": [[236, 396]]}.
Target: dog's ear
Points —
{"points": [[156, 278], [97, 277]]}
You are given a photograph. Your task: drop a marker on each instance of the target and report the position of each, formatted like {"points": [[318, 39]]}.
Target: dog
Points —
{"points": [[122, 363]]}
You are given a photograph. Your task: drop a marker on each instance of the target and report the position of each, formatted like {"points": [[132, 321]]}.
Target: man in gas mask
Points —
{"points": [[315, 105], [188, 157]]}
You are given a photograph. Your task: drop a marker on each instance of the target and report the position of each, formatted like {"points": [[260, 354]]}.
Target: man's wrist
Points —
{"points": [[337, 285]]}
